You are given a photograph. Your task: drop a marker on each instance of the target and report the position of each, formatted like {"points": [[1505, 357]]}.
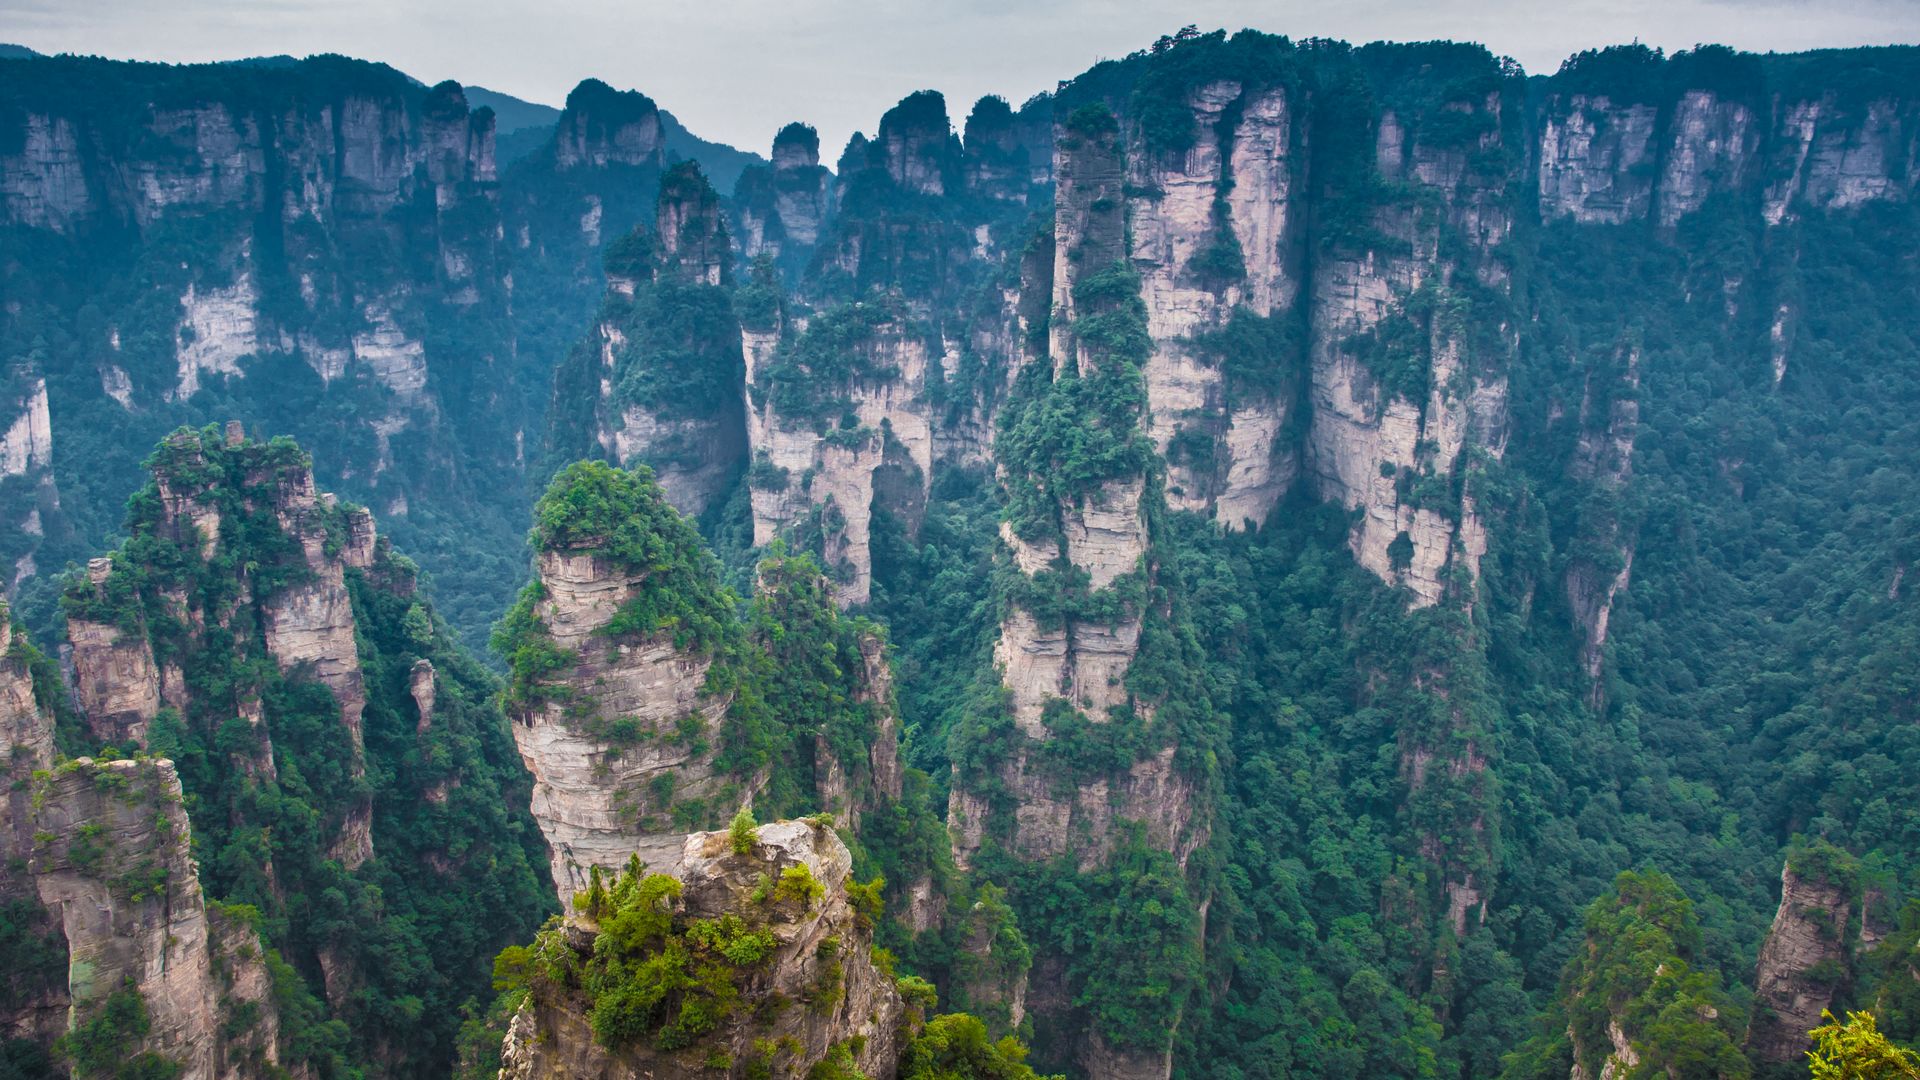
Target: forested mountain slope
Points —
{"points": [[325, 248], [1284, 558]]}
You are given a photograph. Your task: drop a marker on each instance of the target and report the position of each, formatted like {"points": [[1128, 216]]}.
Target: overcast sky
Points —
{"points": [[736, 70]]}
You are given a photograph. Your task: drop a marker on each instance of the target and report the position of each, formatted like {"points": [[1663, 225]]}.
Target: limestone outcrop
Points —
{"points": [[602, 126], [305, 623], [667, 386], [629, 735], [1390, 446], [835, 406], [1216, 236], [834, 1003], [1603, 459], [782, 208], [1802, 964], [37, 1004], [112, 858]]}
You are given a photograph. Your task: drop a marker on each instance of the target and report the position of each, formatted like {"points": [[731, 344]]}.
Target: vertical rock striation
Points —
{"points": [[1803, 962], [668, 385], [112, 859]]}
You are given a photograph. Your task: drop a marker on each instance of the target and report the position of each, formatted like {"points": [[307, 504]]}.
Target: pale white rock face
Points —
{"points": [[218, 162], [1366, 448], [1261, 198], [396, 358], [1260, 468], [1711, 145], [896, 413], [1780, 341], [309, 630], [1169, 230], [1836, 162], [116, 384], [590, 221], [1592, 159], [1108, 537], [692, 458], [28, 442], [421, 687], [374, 144], [594, 802], [44, 185], [218, 328], [327, 361], [690, 487], [1173, 224], [164, 942]]}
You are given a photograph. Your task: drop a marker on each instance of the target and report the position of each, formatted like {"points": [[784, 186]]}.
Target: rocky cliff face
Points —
{"points": [[274, 646], [303, 241], [668, 385], [359, 153], [306, 625], [1603, 459], [782, 208], [834, 1005], [602, 126], [869, 361], [1802, 964], [111, 857], [849, 790], [1404, 384], [36, 1009], [631, 736], [1216, 235]]}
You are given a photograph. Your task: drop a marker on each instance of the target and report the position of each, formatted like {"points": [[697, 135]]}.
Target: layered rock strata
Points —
{"points": [[632, 734]]}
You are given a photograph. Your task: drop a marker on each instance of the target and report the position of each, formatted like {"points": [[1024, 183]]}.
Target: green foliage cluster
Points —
{"points": [[652, 974], [416, 938], [103, 1045], [1063, 435], [956, 1046], [812, 374], [1636, 975], [795, 667], [624, 517], [1856, 1050]]}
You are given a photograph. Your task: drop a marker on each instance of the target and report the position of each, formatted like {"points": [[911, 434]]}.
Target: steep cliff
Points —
{"points": [[34, 1004], [782, 208], [625, 665], [679, 973], [156, 975], [839, 401], [644, 707], [315, 245], [1806, 958], [284, 646], [658, 380]]}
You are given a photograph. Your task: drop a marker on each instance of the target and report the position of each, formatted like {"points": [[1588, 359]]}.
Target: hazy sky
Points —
{"points": [[736, 70]]}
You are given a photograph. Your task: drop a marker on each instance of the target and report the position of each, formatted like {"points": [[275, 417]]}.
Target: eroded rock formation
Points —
{"points": [[112, 858], [1802, 964], [832, 998], [629, 733]]}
